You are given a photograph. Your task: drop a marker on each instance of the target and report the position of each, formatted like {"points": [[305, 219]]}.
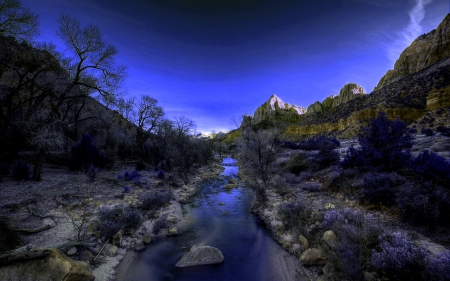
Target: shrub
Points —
{"points": [[291, 178], [156, 199], [21, 171], [412, 131], [295, 216], [325, 158], [114, 218], [384, 146], [297, 163], [312, 186], [312, 144], [398, 257], [304, 176], [438, 267], [356, 235], [443, 130], [427, 132], [428, 206], [134, 176], [91, 172], [85, 154], [159, 225], [380, 188], [160, 175], [334, 176], [9, 239], [432, 167]]}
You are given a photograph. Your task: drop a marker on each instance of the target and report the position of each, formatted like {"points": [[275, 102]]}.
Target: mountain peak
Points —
{"points": [[276, 106], [423, 52]]}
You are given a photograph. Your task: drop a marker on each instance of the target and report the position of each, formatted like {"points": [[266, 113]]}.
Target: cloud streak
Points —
{"points": [[410, 32]]}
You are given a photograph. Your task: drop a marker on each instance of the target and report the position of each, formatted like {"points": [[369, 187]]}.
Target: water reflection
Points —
{"points": [[218, 218]]}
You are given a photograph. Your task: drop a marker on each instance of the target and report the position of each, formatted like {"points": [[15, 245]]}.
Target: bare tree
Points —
{"points": [[91, 63], [147, 116], [45, 137], [258, 151], [17, 21], [182, 127]]}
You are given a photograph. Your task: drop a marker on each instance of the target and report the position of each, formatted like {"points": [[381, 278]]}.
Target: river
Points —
{"points": [[219, 218]]}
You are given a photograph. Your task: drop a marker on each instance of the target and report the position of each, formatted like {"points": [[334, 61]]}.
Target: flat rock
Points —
{"points": [[53, 266], [201, 256]]}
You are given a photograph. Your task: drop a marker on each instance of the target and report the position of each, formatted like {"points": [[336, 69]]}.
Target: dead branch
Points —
{"points": [[35, 230]]}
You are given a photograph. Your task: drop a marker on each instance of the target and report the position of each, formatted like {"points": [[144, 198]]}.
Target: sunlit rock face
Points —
{"points": [[347, 93], [426, 50], [275, 108]]}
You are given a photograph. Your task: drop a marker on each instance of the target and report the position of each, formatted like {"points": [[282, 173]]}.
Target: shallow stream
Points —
{"points": [[218, 218]]}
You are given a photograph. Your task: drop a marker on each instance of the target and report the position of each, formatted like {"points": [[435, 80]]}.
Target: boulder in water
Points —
{"points": [[201, 256]]}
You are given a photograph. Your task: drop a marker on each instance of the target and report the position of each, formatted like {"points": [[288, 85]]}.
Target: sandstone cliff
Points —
{"points": [[423, 52], [347, 93]]}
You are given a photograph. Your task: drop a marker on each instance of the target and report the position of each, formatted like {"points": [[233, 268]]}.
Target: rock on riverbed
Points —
{"points": [[201, 256]]}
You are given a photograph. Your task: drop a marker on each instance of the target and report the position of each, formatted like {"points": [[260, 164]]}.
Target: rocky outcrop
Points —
{"points": [[201, 256], [438, 98], [275, 108], [313, 256], [347, 93], [53, 265], [422, 53]]}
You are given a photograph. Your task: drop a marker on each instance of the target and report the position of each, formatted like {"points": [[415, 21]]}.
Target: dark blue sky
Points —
{"points": [[214, 60]]}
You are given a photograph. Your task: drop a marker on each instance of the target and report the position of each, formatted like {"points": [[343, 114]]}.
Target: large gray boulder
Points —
{"points": [[201, 256]]}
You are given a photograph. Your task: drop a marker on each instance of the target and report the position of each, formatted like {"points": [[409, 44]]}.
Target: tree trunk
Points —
{"points": [[38, 166]]}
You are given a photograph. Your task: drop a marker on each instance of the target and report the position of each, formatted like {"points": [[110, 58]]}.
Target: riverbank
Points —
{"points": [[63, 205]]}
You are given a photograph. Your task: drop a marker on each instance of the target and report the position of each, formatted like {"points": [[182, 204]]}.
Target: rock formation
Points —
{"points": [[423, 52], [347, 93], [52, 265], [201, 256], [275, 108]]}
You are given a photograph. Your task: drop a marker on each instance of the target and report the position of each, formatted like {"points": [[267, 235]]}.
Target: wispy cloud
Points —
{"points": [[410, 32]]}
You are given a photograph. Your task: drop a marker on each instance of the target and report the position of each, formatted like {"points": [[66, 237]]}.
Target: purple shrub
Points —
{"points": [[156, 199], [432, 167], [134, 176], [126, 189], [114, 218], [427, 205], [160, 175], [312, 143], [356, 235], [384, 146], [443, 130], [427, 132], [398, 257], [159, 225], [91, 172], [312, 186], [380, 188], [295, 215]]}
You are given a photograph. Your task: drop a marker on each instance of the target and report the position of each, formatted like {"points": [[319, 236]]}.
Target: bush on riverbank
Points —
{"points": [[114, 218]]}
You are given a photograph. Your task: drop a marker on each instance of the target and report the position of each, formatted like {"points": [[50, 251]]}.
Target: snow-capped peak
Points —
{"points": [[274, 99]]}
